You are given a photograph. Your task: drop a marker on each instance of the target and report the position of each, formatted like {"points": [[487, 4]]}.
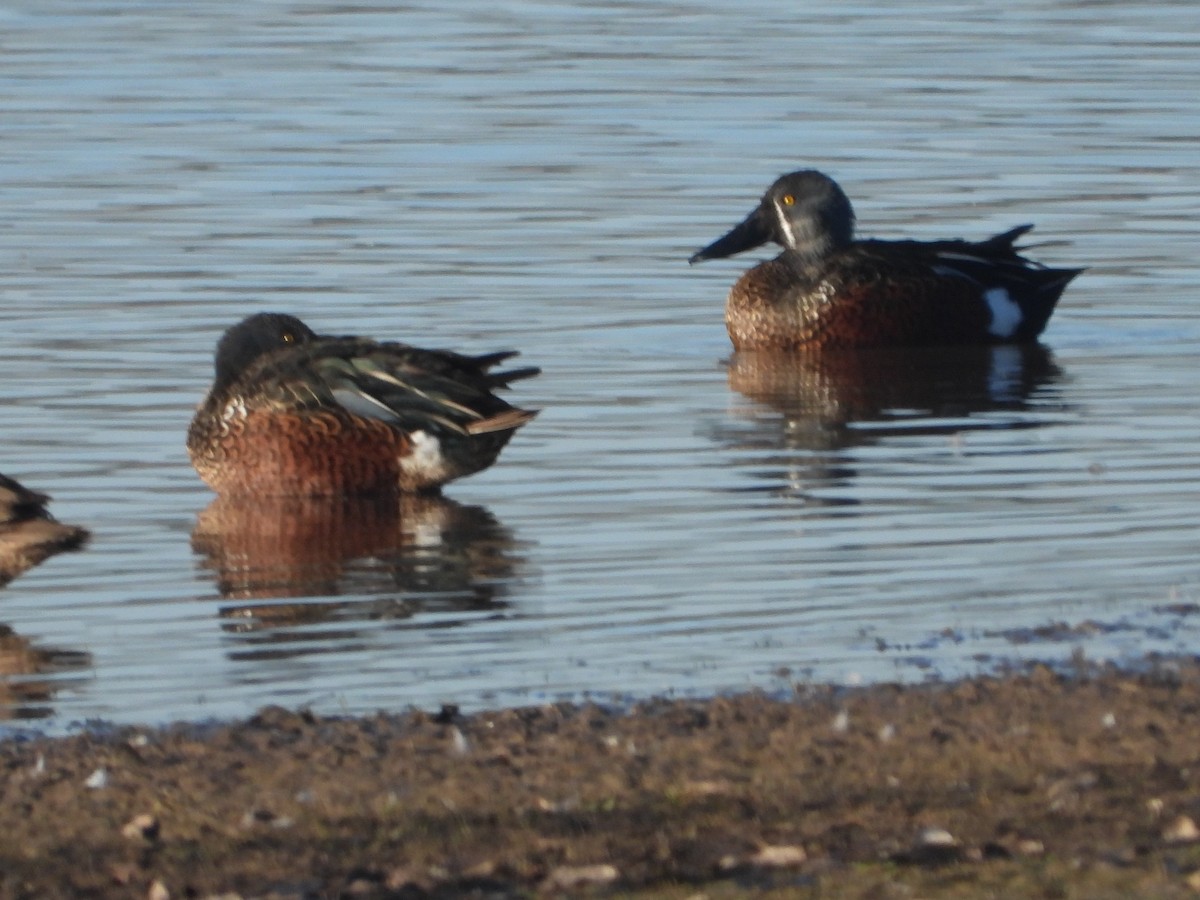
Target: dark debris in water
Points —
{"points": [[1054, 632]]}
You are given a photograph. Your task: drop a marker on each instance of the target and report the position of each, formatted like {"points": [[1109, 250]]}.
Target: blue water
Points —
{"points": [[534, 175]]}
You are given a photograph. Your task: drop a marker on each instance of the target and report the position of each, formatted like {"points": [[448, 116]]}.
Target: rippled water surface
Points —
{"points": [[534, 175]]}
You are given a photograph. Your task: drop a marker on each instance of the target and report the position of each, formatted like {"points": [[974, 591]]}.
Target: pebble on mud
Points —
{"points": [[566, 878], [934, 837], [459, 745], [772, 856], [1030, 847], [158, 891], [779, 856], [258, 817], [144, 827], [1182, 830], [934, 846]]}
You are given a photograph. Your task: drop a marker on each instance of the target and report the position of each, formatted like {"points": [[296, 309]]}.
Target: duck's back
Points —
{"points": [[895, 293], [346, 415]]}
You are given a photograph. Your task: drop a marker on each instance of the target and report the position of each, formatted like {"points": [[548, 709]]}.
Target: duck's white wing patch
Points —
{"points": [[1006, 314]]}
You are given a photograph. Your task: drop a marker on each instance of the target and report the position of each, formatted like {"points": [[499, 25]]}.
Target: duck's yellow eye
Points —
{"points": [[788, 199], [289, 338]]}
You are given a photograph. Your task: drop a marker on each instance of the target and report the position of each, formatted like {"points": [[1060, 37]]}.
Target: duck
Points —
{"points": [[294, 413], [28, 533], [828, 289]]}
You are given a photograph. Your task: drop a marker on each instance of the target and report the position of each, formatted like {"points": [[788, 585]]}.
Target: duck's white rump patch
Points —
{"points": [[425, 463], [1006, 315]]}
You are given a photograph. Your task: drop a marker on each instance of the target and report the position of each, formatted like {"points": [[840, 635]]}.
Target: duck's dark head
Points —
{"points": [[803, 211], [252, 337]]}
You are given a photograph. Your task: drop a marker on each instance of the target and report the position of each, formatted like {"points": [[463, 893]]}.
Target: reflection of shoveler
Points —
{"points": [[828, 289], [419, 551], [29, 534], [294, 413]]}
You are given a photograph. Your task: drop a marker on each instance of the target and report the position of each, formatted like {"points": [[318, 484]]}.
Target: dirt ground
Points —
{"points": [[1029, 785]]}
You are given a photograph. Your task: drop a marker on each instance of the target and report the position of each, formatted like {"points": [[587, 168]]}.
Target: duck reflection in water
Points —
{"points": [[824, 403], [412, 553], [31, 675]]}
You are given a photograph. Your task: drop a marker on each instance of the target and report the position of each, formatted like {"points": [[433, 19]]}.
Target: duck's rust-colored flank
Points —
{"points": [[295, 413], [827, 289]]}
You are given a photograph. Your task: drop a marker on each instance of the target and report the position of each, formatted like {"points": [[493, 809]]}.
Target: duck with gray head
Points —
{"points": [[828, 289]]}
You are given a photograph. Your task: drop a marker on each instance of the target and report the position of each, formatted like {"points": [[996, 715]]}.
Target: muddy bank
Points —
{"points": [[1029, 785]]}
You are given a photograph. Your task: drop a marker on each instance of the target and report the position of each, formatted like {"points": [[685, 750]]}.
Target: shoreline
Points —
{"points": [[1034, 783]]}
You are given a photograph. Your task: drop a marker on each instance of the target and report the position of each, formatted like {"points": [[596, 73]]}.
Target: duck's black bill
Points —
{"points": [[751, 233]]}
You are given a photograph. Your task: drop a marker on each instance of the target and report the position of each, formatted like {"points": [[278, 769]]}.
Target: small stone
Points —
{"points": [[97, 780], [1193, 881], [401, 877], [1030, 847], [935, 837], [459, 745], [1154, 806], [485, 869], [841, 722], [886, 733], [1109, 720], [706, 788], [566, 878], [933, 847], [779, 856], [158, 891], [258, 817], [123, 873], [1181, 831], [144, 827]]}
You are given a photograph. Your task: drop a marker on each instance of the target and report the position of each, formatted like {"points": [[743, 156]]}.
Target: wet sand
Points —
{"points": [[1036, 784]]}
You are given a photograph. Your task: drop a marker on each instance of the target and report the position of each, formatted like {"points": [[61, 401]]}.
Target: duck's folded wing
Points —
{"points": [[402, 392]]}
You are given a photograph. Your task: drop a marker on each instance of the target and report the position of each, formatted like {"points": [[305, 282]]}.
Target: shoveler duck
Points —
{"points": [[28, 533], [827, 289], [295, 413]]}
